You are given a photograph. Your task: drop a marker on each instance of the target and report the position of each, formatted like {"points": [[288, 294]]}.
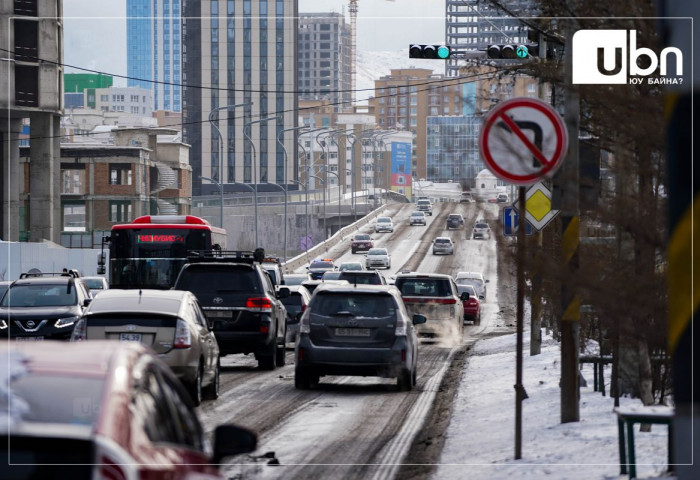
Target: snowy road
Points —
{"points": [[355, 427]]}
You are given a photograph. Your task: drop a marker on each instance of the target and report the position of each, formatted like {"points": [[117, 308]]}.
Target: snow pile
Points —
{"points": [[480, 441]]}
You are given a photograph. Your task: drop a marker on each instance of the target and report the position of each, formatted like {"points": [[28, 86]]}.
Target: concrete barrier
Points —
{"points": [[318, 250]]}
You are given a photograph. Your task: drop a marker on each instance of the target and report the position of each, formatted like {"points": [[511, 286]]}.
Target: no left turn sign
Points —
{"points": [[523, 140]]}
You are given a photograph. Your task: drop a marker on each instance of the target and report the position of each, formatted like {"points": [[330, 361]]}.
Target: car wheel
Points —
{"points": [[280, 353], [405, 381], [304, 380], [214, 388], [415, 376], [354, 252], [268, 361], [196, 387]]}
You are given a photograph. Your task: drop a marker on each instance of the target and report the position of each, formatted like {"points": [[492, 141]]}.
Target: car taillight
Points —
{"points": [[110, 470], [262, 304], [183, 339], [400, 327], [264, 328], [79, 331], [304, 325], [303, 307]]}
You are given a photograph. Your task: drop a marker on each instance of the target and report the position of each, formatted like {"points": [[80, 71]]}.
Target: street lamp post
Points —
{"points": [[381, 138], [338, 177], [221, 154], [306, 211], [324, 203], [286, 185], [255, 173]]}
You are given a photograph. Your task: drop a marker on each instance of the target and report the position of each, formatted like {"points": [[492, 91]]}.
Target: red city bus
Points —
{"points": [[150, 251]]}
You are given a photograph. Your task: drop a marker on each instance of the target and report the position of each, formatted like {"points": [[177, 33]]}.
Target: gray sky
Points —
{"points": [[95, 30]]}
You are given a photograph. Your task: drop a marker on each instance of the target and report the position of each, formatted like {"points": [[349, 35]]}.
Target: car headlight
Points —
{"points": [[65, 322]]}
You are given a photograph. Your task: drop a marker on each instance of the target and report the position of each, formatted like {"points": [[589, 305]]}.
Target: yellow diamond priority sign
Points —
{"points": [[538, 206]]}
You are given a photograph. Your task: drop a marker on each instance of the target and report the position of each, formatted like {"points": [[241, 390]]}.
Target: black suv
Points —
{"points": [[240, 301], [43, 306]]}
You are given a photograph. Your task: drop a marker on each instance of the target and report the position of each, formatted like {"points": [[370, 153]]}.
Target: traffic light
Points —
{"points": [[436, 52], [512, 51]]}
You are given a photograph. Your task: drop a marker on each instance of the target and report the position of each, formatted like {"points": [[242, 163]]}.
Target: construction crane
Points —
{"points": [[352, 8]]}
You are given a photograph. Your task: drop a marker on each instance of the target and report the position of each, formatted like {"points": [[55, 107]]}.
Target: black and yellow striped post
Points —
{"points": [[567, 182], [683, 271]]}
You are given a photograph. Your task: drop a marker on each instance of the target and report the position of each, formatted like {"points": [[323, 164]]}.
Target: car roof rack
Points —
{"points": [[72, 273], [237, 256]]}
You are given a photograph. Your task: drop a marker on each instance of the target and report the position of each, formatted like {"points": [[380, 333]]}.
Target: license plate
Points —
{"points": [[29, 339], [352, 332], [217, 314], [130, 337]]}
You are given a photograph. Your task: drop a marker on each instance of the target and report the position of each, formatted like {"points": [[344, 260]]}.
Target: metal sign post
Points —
{"points": [[522, 141]]}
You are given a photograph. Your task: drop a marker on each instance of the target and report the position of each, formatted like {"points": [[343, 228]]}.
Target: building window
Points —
{"points": [[120, 211], [104, 98], [74, 216], [120, 174], [73, 181]]}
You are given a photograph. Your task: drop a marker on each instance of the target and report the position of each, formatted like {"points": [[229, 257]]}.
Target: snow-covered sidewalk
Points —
{"points": [[480, 440]]}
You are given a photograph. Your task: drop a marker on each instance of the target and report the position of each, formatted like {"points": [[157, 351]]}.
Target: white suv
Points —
{"points": [[384, 224], [476, 279], [417, 218], [435, 296], [425, 206]]}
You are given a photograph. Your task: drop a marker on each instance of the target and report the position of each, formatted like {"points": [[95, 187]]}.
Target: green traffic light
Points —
{"points": [[522, 52], [443, 51]]}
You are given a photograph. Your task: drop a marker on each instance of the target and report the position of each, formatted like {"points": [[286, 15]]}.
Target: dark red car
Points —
{"points": [[472, 306], [362, 242], [104, 409]]}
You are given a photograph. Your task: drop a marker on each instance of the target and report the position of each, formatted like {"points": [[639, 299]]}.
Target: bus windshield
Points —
{"points": [[152, 257]]}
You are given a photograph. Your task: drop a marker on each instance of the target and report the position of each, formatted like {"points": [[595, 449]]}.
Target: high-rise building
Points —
{"points": [[153, 57], [31, 87], [404, 98], [240, 52], [453, 149], [324, 59], [476, 24]]}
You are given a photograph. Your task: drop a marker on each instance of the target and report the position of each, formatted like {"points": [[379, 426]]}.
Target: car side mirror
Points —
{"points": [[481, 297], [283, 292], [230, 440], [419, 319], [486, 281], [87, 302], [307, 268], [464, 296]]}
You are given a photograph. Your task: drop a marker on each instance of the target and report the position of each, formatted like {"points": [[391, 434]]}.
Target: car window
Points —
{"points": [[188, 428], [231, 279], [361, 237], [321, 265], [359, 305], [426, 287], [150, 408], [61, 295], [293, 303], [481, 225], [331, 275], [295, 279], [94, 283], [442, 240], [377, 251], [361, 278], [272, 273], [62, 406], [383, 219]]}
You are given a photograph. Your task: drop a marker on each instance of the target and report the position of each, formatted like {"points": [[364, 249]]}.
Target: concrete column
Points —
{"points": [[10, 181], [44, 169], [56, 173]]}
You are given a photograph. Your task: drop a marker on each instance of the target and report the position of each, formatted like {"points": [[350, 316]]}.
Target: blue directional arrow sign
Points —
{"points": [[511, 222]]}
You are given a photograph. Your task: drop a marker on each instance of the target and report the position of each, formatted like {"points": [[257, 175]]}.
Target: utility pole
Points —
{"points": [[567, 182]]}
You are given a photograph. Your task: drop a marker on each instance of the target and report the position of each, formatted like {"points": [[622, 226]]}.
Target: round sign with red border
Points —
{"points": [[523, 140]]}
